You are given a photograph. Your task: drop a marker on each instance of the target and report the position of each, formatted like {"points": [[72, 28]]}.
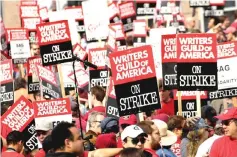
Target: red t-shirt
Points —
{"points": [[176, 148], [11, 154], [40, 153], [167, 108], [97, 108], [224, 147], [152, 152]]}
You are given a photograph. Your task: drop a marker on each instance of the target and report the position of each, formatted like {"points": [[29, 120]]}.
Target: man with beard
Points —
{"points": [[152, 143]]}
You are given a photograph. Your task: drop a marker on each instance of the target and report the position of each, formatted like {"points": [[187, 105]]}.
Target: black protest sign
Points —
{"points": [[30, 137], [55, 42], [222, 93], [99, 76], [6, 82], [168, 7], [199, 3], [127, 14], [214, 11], [196, 62], [189, 103], [134, 77], [112, 107], [169, 63], [146, 8]]}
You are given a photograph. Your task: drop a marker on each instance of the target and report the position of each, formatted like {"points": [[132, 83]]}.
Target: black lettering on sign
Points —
{"points": [[224, 93]]}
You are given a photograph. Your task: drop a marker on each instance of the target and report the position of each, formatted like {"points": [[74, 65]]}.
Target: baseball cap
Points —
{"points": [[132, 131], [108, 123], [131, 120], [230, 113], [200, 124], [43, 125], [162, 116]]}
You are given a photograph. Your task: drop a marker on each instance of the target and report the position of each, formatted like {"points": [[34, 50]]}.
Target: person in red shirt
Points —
{"points": [[14, 144], [226, 146], [96, 98], [167, 103]]}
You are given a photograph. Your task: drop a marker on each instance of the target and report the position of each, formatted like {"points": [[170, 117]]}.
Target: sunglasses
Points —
{"points": [[136, 140], [38, 133], [226, 122]]}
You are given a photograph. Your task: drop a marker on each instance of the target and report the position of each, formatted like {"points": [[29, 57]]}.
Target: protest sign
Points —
{"points": [[55, 42], [76, 11], [30, 22], [33, 38], [100, 75], [146, 8], [113, 13], [29, 2], [54, 111], [197, 62], [96, 26], [139, 33], [168, 7], [134, 76], [6, 82], [112, 107], [30, 137], [127, 14], [111, 42], [44, 14], [199, 3], [3, 38], [214, 11], [120, 36], [189, 103], [48, 82], [19, 43], [17, 117], [79, 51], [169, 61], [29, 11]]}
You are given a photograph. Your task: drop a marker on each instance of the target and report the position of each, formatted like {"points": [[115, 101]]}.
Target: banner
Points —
{"points": [[54, 111], [6, 82], [55, 42], [127, 14], [17, 117], [134, 76], [169, 61], [19, 43], [139, 33], [197, 62]]}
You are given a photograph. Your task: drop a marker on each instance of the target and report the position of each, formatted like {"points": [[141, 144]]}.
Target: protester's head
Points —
{"points": [[47, 144], [106, 141], [110, 125], [208, 114], [43, 129], [164, 94], [15, 140], [176, 124], [190, 23], [94, 120], [225, 20], [20, 83], [168, 138], [125, 121], [213, 21], [229, 122], [162, 116], [129, 40], [131, 152], [34, 49], [230, 33], [66, 138], [133, 136], [152, 131], [97, 94]]}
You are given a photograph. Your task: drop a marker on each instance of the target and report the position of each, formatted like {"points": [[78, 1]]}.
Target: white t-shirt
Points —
{"points": [[205, 147]]}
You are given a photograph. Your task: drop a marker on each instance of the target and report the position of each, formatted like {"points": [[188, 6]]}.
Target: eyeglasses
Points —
{"points": [[38, 133], [226, 122], [98, 121], [136, 140]]}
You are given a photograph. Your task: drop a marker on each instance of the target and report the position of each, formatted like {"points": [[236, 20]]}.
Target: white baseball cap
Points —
{"points": [[44, 125], [132, 131]]}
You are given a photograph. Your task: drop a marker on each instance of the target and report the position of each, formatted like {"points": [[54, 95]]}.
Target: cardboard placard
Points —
{"points": [[44, 14], [6, 82], [120, 36], [3, 38], [33, 38], [55, 42], [127, 14], [17, 117], [222, 93], [113, 13], [30, 22], [54, 111], [133, 73], [169, 61], [112, 107], [146, 8], [96, 26], [28, 2], [19, 43], [79, 52], [169, 7], [139, 33], [199, 3], [30, 136], [29, 11], [214, 11], [77, 12], [197, 62], [111, 42]]}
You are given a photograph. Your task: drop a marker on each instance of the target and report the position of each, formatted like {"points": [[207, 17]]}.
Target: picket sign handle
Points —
{"points": [[107, 90], [59, 66], [225, 104], [198, 102], [234, 100], [179, 103], [141, 117]]}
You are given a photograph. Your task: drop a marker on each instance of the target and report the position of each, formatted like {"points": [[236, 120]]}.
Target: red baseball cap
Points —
{"points": [[230, 113], [131, 119]]}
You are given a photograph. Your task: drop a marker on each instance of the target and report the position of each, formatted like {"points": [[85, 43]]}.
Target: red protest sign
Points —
{"points": [[113, 10], [52, 107], [79, 51], [111, 42], [46, 74], [120, 35], [44, 13], [30, 22], [77, 12], [29, 11], [190, 95], [139, 28], [227, 49], [28, 2], [53, 32], [133, 64], [127, 9], [18, 34], [31, 65], [196, 48], [98, 57], [18, 116], [168, 48], [6, 71]]}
